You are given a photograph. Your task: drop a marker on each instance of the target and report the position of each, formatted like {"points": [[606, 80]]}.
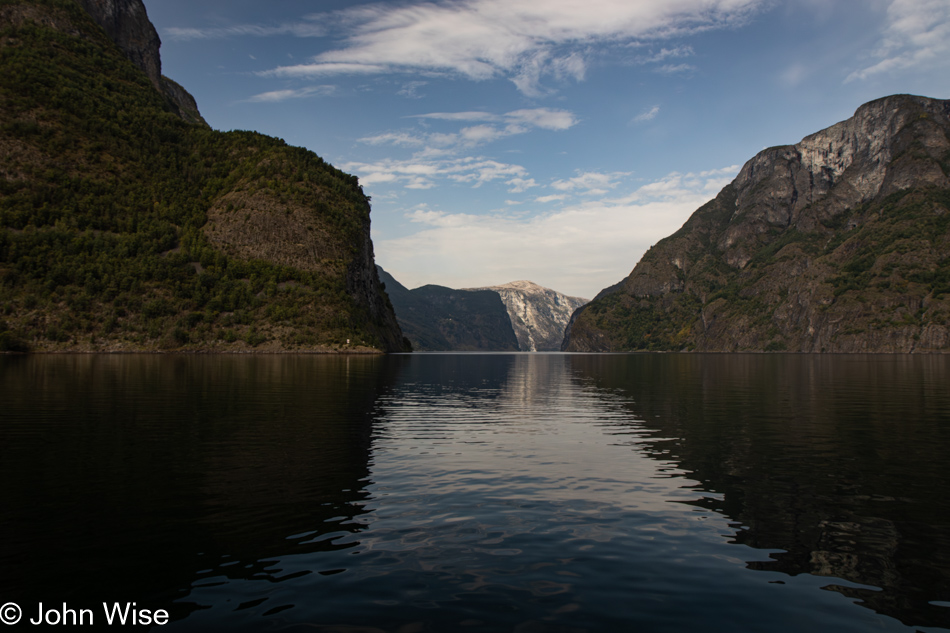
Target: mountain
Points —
{"points": [[127, 224], [839, 243], [518, 316], [538, 315], [436, 318]]}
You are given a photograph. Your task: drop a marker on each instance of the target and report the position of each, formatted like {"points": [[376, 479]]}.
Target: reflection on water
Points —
{"points": [[838, 460], [482, 492], [126, 475]]}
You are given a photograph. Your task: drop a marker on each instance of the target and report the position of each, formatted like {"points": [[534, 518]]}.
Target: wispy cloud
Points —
{"points": [[917, 36], [647, 115], [546, 118], [672, 69], [605, 237], [299, 93], [325, 69], [410, 90], [520, 185], [589, 183], [490, 127], [421, 173], [664, 54], [299, 29], [522, 40]]}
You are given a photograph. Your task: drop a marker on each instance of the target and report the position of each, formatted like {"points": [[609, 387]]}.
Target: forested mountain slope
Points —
{"points": [[127, 224]]}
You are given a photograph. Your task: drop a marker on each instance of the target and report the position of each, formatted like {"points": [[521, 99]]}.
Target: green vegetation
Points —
{"points": [[645, 325], [104, 195]]}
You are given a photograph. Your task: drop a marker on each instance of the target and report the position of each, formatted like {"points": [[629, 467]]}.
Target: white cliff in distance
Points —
{"points": [[538, 315]]}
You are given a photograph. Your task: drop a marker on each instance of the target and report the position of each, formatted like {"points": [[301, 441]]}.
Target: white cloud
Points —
{"points": [[491, 128], [672, 69], [299, 29], [459, 116], [545, 118], [917, 36], [423, 173], [522, 40], [677, 186], [665, 53], [578, 250], [590, 182], [647, 115], [404, 139], [480, 134], [520, 185], [410, 90], [317, 70], [299, 93]]}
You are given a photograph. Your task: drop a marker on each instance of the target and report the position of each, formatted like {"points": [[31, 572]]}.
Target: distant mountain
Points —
{"points": [[840, 243], [127, 224], [518, 316], [436, 318], [538, 315]]}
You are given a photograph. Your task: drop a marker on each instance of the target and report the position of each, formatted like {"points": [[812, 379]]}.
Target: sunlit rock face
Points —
{"points": [[538, 315], [838, 243]]}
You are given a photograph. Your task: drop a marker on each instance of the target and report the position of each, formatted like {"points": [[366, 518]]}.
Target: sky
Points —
{"points": [[551, 141]]}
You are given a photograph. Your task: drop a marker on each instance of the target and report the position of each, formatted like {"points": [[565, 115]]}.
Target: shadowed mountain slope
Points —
{"points": [[436, 318]]}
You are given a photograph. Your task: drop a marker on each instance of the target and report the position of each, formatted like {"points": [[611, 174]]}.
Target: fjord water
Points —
{"points": [[481, 492]]}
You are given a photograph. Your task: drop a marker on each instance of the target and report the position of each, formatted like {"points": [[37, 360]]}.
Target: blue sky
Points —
{"points": [[552, 141]]}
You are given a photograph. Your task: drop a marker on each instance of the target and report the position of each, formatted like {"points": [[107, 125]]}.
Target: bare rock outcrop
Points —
{"points": [[538, 315]]}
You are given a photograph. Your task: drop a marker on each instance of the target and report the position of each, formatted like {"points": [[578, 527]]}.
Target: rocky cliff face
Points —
{"points": [[127, 24], [838, 243], [538, 315]]}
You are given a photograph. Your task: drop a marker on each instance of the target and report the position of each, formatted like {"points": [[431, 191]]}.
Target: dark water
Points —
{"points": [[470, 492]]}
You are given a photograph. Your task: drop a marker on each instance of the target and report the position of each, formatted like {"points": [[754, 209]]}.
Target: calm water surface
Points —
{"points": [[480, 492]]}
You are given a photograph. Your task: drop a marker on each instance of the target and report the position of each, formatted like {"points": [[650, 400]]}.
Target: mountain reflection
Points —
{"points": [[167, 470], [481, 492], [840, 461]]}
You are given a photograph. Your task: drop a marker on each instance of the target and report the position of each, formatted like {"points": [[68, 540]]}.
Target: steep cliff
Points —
{"points": [[125, 227], [839, 243], [538, 315], [127, 24]]}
